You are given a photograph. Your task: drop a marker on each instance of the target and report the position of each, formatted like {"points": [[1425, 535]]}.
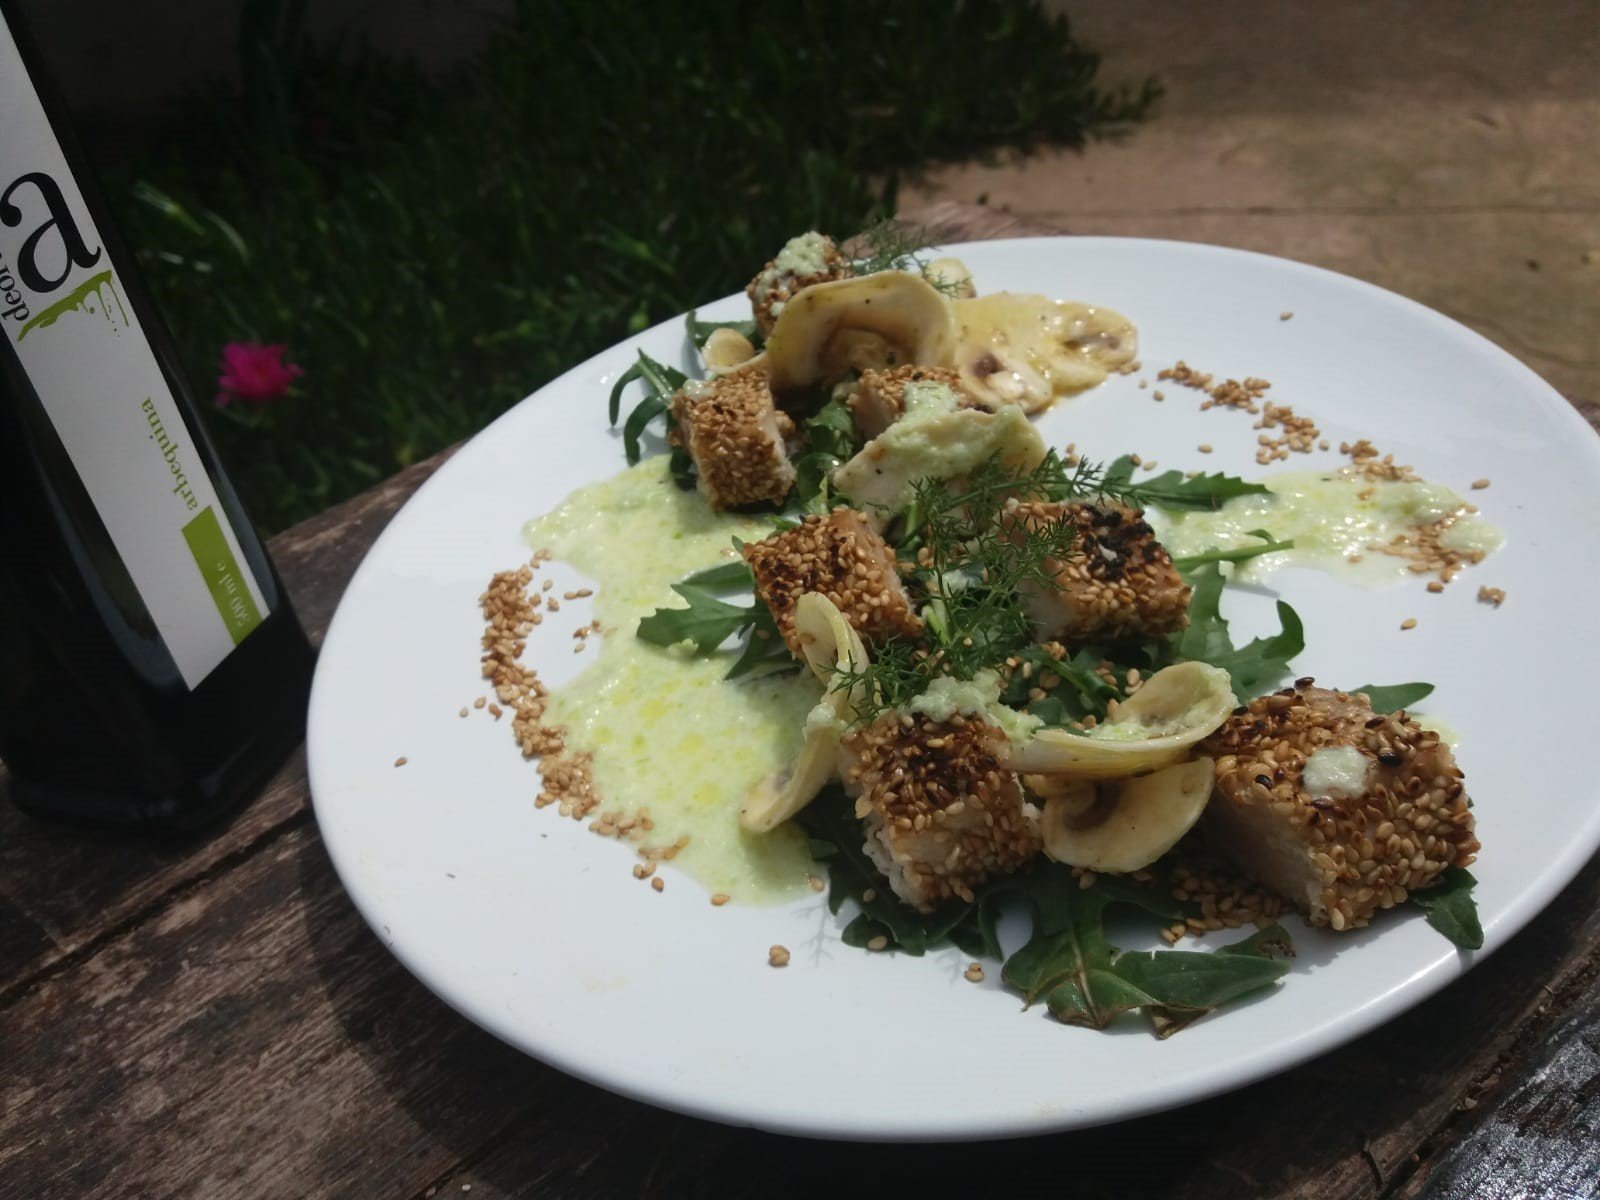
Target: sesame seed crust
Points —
{"points": [[845, 559], [1122, 583], [1340, 859], [940, 814], [731, 429], [774, 287], [878, 399]]}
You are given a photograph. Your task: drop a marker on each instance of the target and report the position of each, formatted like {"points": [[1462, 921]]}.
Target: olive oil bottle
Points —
{"points": [[152, 673]]}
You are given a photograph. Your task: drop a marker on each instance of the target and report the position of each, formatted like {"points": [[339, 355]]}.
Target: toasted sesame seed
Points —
{"points": [[778, 956], [1492, 595], [658, 884], [878, 943], [1435, 586], [718, 899], [1204, 447], [974, 972], [1409, 623], [1479, 484], [480, 702], [463, 711], [401, 761]]}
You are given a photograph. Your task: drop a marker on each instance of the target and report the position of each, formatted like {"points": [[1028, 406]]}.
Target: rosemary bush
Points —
{"points": [[430, 250]]}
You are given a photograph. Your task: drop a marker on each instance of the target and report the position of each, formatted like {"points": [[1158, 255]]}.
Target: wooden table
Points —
{"points": [[214, 1020]]}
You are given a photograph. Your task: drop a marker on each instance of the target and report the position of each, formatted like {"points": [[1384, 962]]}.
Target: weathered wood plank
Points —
{"points": [[256, 1025], [61, 890], [1541, 1137]]}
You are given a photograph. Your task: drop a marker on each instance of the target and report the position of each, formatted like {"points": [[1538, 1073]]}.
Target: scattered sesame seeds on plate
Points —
{"points": [[529, 926]]}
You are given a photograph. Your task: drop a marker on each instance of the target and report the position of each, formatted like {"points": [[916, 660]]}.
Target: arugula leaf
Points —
{"points": [[707, 622], [1207, 639], [1451, 909], [854, 876], [1388, 698], [1239, 554], [1189, 985], [1171, 490], [1068, 961], [701, 331], [765, 651], [614, 404], [644, 412], [723, 577], [661, 382], [830, 438]]}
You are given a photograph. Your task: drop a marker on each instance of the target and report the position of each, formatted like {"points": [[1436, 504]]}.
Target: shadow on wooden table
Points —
{"points": [[1345, 1124]]}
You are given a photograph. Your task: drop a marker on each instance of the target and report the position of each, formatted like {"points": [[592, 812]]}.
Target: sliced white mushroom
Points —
{"points": [[879, 479], [1155, 727], [830, 644], [951, 276], [1015, 348], [726, 349], [882, 320], [1125, 824]]}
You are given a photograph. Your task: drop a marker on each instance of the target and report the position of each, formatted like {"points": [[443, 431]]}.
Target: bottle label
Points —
{"points": [[61, 309]]}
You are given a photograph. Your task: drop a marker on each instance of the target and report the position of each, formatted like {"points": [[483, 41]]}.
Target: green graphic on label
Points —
{"points": [[221, 572], [78, 299]]}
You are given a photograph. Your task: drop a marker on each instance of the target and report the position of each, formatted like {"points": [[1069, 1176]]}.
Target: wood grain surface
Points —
{"points": [[213, 1019]]}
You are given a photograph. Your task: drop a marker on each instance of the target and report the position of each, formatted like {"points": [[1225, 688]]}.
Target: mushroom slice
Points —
{"points": [[1125, 824], [880, 479], [952, 277], [881, 320], [1176, 707], [726, 349], [1028, 350], [829, 644]]}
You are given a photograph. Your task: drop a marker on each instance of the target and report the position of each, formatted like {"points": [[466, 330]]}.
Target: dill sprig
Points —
{"points": [[895, 245], [971, 563]]}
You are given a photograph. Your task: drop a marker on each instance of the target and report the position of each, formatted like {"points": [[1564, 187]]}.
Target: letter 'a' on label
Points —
{"points": [[63, 314]]}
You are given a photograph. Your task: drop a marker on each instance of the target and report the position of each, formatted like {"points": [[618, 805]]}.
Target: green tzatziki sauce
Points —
{"points": [[1329, 521], [666, 731]]}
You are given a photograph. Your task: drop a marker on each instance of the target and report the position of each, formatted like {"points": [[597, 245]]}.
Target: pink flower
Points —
{"points": [[253, 372]]}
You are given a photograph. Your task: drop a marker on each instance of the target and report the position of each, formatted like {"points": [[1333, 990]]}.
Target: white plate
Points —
{"points": [[531, 926]]}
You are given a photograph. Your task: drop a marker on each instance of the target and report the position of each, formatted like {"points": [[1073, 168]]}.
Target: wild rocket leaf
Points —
{"points": [[1451, 909], [830, 438], [707, 621], [1206, 638], [1392, 697], [853, 876], [633, 428], [701, 331], [726, 576], [1068, 961], [765, 652], [1172, 490], [1267, 545]]}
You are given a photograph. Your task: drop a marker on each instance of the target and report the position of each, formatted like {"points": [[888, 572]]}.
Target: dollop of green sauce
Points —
{"points": [[1330, 521], [667, 732]]}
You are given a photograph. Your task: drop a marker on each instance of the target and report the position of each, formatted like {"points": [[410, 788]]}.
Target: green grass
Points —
{"points": [[433, 249]]}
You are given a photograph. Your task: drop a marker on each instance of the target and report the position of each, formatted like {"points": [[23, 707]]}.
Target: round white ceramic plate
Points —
{"points": [[533, 927]]}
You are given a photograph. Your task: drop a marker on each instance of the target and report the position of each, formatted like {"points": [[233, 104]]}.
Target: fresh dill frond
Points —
{"points": [[895, 245]]}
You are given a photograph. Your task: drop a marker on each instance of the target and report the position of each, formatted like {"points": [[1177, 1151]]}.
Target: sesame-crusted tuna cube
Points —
{"points": [[941, 815], [842, 557], [1121, 583], [878, 399], [1340, 810], [808, 259], [731, 430]]}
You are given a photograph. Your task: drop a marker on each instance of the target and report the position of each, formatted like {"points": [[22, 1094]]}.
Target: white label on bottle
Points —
{"points": [[62, 311]]}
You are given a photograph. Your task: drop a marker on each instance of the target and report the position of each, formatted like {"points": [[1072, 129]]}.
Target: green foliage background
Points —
{"points": [[432, 249]]}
